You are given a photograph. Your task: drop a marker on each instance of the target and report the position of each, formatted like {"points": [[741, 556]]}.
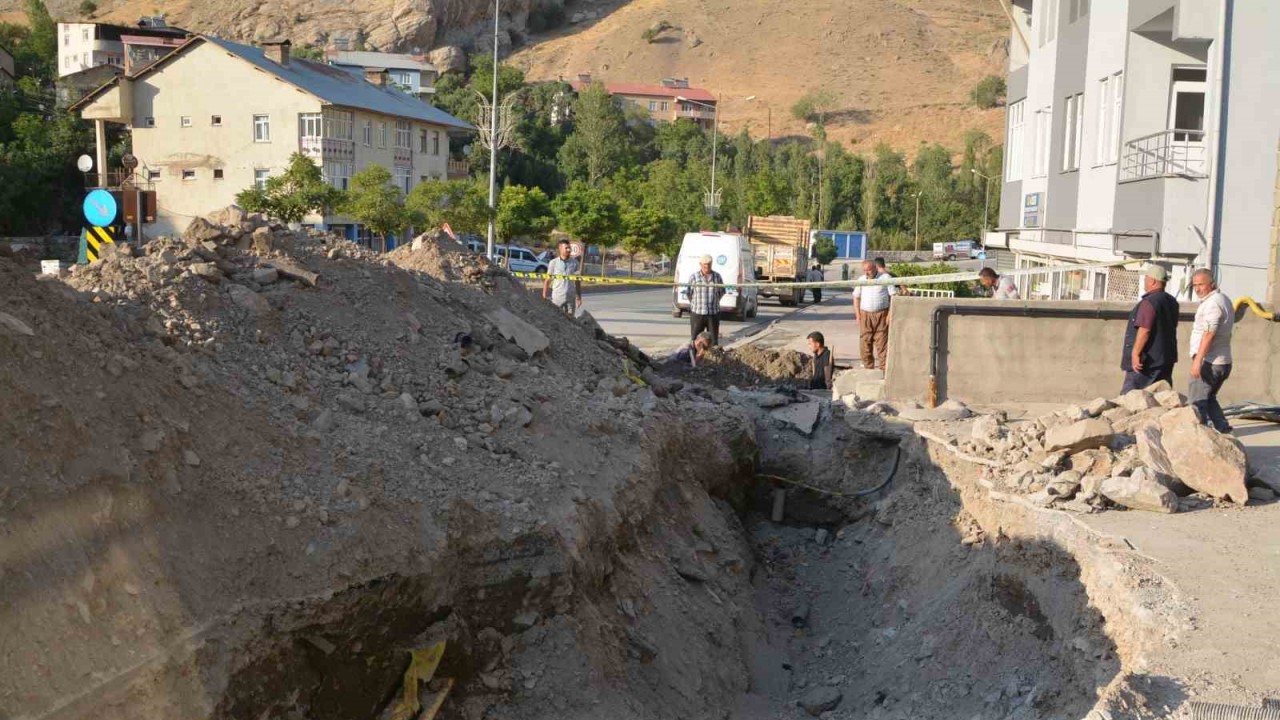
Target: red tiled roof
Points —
{"points": [[691, 93]]}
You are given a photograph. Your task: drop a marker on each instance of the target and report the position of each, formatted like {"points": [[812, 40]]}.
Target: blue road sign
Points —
{"points": [[100, 208]]}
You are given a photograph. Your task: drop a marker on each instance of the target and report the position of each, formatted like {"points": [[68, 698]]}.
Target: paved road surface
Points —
{"points": [[644, 316]]}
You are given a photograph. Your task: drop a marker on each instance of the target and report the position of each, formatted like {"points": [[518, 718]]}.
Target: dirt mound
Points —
{"points": [[746, 366]]}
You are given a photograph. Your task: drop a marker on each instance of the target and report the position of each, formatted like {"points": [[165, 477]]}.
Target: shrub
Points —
{"points": [[654, 31], [988, 92], [88, 8]]}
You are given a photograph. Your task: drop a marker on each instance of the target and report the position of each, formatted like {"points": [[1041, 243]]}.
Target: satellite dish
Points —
{"points": [[84, 163], [466, 150]]}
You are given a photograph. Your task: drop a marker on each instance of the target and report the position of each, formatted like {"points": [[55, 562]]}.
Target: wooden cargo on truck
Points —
{"points": [[780, 245]]}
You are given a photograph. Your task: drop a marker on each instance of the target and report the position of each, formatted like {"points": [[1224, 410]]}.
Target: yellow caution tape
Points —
{"points": [[422, 668], [964, 276]]}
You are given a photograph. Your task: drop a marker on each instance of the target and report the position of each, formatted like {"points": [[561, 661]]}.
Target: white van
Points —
{"points": [[731, 257]]}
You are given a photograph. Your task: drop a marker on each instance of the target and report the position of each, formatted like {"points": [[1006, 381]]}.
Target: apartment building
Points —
{"points": [[88, 45], [215, 117], [668, 101], [1140, 129], [411, 73]]}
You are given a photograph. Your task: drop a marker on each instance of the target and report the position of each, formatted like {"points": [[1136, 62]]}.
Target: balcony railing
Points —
{"points": [[332, 149], [1171, 153], [402, 156], [696, 113], [458, 169]]}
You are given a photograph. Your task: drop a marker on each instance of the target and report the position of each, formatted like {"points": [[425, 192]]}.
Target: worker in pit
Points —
{"points": [[824, 364], [1151, 335], [998, 287]]}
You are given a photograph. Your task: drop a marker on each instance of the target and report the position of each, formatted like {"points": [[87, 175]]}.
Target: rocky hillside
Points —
{"points": [[900, 71]]}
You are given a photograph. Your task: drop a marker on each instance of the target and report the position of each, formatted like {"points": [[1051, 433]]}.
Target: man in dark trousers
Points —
{"points": [[706, 287], [1151, 335]]}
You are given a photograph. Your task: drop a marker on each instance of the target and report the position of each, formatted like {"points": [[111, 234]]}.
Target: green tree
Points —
{"points": [[988, 92], [375, 202], [292, 195], [814, 106], [598, 145], [524, 212], [588, 214], [39, 54], [888, 201], [461, 203], [88, 8], [824, 250], [308, 52], [646, 230]]}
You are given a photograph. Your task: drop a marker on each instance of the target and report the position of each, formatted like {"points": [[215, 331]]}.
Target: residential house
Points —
{"points": [[71, 88], [1141, 129], [215, 117], [8, 73], [668, 101], [411, 73], [87, 45]]}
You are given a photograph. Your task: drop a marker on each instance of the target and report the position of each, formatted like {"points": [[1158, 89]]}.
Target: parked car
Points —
{"points": [[968, 249], [512, 257], [731, 257]]}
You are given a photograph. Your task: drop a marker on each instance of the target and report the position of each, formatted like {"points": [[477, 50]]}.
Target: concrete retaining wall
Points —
{"points": [[987, 360]]}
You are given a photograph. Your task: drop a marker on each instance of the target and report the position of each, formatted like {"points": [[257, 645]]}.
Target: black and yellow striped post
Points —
{"points": [[94, 238]]}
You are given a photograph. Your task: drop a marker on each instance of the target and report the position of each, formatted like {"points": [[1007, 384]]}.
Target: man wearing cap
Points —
{"points": [[1151, 335], [705, 288]]}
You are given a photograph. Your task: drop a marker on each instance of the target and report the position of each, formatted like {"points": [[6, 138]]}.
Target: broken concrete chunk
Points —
{"points": [[801, 416], [265, 276], [248, 300], [208, 271], [987, 429], [820, 700], [1203, 458], [1151, 450], [1140, 491], [530, 339], [293, 271], [1082, 435], [1137, 401], [1171, 399], [10, 325], [1097, 406]]}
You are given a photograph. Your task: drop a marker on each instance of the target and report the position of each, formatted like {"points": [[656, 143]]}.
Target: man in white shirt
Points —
{"points": [[871, 305], [1000, 286], [1210, 350]]}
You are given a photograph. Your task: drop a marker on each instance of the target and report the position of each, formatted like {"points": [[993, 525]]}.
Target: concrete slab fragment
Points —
{"points": [[801, 416]]}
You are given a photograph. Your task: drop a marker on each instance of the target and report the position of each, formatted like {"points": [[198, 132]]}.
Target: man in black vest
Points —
{"points": [[1151, 336]]}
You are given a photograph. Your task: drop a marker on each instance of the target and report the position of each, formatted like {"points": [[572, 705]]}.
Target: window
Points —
{"points": [[1016, 142], [217, 173], [1110, 100], [185, 121], [1044, 128], [403, 78], [149, 122], [403, 138], [1186, 107], [216, 120], [66, 38], [403, 180], [1072, 133], [260, 178], [1079, 10], [84, 33], [382, 135], [338, 175], [153, 175], [339, 124], [653, 105], [664, 105], [188, 174], [422, 141], [435, 142], [367, 133], [262, 128], [1048, 20], [310, 125]]}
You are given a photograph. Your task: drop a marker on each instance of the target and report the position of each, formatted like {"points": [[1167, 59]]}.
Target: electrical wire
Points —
{"points": [[893, 471]]}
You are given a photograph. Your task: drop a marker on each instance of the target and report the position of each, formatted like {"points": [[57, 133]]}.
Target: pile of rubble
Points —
{"points": [[1144, 450]]}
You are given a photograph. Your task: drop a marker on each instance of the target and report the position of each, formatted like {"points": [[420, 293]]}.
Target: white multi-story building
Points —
{"points": [[411, 73], [82, 46], [215, 117], [1139, 129]]}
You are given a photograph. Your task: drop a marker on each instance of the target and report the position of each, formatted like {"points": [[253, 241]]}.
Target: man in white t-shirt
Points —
{"points": [[871, 305], [1000, 286], [1210, 350], [564, 293]]}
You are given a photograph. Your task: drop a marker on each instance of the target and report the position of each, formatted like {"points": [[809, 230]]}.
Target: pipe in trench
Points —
{"points": [[941, 312]]}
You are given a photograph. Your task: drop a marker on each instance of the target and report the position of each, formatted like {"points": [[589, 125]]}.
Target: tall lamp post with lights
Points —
{"points": [[713, 197], [986, 202]]}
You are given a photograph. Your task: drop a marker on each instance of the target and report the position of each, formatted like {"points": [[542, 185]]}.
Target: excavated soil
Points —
{"points": [[237, 494]]}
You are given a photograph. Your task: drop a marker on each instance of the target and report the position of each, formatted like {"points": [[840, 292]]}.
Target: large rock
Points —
{"points": [[847, 382], [293, 271], [821, 699], [529, 338], [1203, 458], [229, 217], [449, 58], [1140, 491], [10, 325], [1137, 400], [1082, 435], [201, 230], [1151, 450], [248, 300], [801, 416]]}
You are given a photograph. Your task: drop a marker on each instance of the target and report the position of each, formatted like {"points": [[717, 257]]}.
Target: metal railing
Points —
{"points": [[1169, 153], [928, 292], [458, 169]]}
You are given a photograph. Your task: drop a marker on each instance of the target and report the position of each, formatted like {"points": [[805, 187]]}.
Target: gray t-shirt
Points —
{"points": [[1216, 315], [562, 290]]}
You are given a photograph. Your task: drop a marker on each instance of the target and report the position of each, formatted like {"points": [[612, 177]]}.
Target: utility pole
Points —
{"points": [[713, 197], [986, 202], [493, 149], [918, 194]]}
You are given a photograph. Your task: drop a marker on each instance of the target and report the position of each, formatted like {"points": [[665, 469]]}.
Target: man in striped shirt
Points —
{"points": [[705, 290]]}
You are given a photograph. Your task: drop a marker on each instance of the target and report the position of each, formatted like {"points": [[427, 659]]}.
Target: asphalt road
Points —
{"points": [[644, 317]]}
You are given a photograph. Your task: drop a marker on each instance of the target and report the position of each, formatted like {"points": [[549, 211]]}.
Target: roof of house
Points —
{"points": [[330, 84], [388, 61], [697, 94]]}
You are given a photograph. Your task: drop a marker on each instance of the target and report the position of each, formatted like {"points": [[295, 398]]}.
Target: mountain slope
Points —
{"points": [[900, 69]]}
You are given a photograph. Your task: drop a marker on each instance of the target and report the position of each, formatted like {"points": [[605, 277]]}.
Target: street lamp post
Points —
{"points": [[493, 150], [986, 201], [713, 200], [918, 194]]}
